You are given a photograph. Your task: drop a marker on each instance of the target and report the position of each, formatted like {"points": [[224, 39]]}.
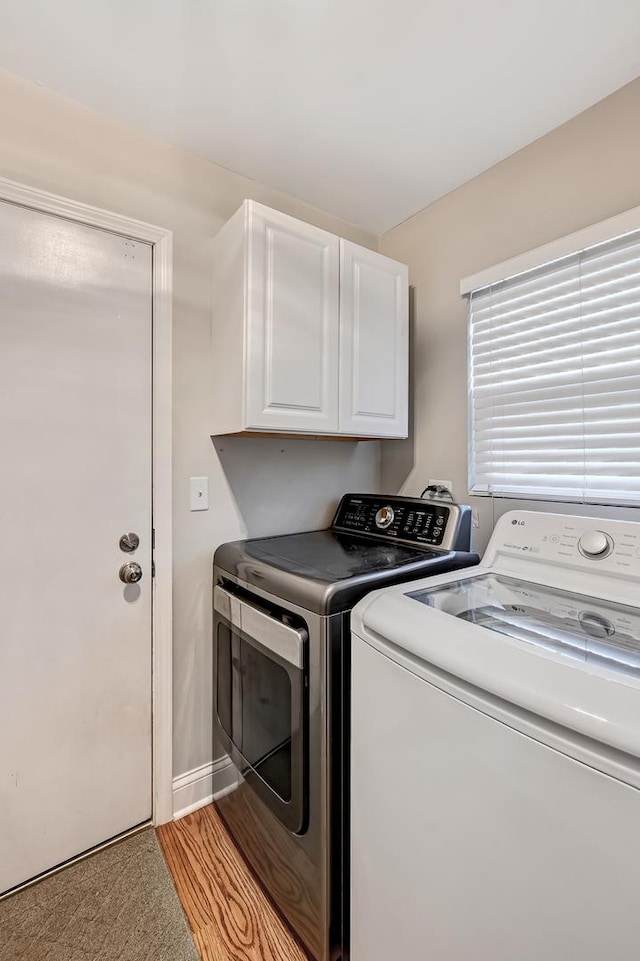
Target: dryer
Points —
{"points": [[282, 656]]}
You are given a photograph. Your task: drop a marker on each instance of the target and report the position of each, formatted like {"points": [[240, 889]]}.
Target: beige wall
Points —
{"points": [[578, 174], [256, 486]]}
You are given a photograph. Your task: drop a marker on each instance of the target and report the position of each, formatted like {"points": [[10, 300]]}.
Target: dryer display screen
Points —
{"points": [[417, 521]]}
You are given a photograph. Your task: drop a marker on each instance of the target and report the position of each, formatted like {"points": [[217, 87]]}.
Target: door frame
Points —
{"points": [[161, 241]]}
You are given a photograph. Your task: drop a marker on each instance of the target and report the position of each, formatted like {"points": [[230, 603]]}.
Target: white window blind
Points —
{"points": [[555, 379]]}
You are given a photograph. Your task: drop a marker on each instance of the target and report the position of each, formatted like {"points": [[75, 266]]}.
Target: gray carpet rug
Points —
{"points": [[117, 905]]}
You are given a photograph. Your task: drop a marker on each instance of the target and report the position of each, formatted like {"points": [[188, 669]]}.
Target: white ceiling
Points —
{"points": [[369, 109]]}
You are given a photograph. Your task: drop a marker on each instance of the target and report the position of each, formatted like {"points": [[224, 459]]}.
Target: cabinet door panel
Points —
{"points": [[374, 358], [292, 352]]}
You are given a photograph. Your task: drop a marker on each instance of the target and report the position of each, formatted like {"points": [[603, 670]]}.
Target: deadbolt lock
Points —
{"points": [[129, 542]]}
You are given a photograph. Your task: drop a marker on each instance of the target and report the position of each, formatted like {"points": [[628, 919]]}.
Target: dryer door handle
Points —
{"points": [[280, 639]]}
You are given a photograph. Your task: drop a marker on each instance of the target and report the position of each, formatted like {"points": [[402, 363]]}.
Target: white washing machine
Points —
{"points": [[495, 788]]}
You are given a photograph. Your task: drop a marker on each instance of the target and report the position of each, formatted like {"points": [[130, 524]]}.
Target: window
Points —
{"points": [[555, 377]]}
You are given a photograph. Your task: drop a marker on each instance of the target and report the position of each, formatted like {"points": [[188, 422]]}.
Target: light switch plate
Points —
{"points": [[199, 493]]}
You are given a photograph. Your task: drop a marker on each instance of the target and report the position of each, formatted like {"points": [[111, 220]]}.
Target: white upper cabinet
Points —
{"points": [[292, 324], [301, 319], [374, 347]]}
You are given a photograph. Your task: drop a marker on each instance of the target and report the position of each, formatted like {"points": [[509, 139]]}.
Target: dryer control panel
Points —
{"points": [[408, 519]]}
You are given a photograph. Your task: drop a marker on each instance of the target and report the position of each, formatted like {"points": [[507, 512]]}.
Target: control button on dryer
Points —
{"points": [[384, 517], [595, 544]]}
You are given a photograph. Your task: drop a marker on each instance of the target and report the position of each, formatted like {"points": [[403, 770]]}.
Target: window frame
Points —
{"points": [[612, 229]]}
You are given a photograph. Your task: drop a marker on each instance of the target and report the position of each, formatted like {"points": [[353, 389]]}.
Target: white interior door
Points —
{"points": [[292, 355], [75, 448], [374, 350]]}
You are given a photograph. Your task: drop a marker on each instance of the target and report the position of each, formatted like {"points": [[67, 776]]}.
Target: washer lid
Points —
{"points": [[570, 659], [596, 632]]}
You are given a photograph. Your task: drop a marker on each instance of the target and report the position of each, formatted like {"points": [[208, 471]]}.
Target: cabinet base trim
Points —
{"points": [[295, 435]]}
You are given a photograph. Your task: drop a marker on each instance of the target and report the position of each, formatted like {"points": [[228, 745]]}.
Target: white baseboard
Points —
{"points": [[203, 785]]}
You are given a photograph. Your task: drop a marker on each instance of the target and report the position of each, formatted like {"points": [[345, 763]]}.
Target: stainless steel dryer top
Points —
{"points": [[374, 540]]}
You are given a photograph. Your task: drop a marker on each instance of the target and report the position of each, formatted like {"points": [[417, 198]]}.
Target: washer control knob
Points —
{"points": [[595, 544], [384, 517]]}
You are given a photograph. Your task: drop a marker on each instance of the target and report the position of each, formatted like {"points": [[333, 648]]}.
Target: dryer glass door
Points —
{"points": [[260, 694]]}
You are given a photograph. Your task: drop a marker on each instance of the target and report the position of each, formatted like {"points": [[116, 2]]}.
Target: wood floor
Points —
{"points": [[230, 916]]}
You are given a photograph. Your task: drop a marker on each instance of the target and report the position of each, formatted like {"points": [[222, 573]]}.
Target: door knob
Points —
{"points": [[129, 542], [130, 573]]}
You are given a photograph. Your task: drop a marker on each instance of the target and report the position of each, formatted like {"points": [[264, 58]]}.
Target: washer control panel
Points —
{"points": [[580, 542], [401, 518]]}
